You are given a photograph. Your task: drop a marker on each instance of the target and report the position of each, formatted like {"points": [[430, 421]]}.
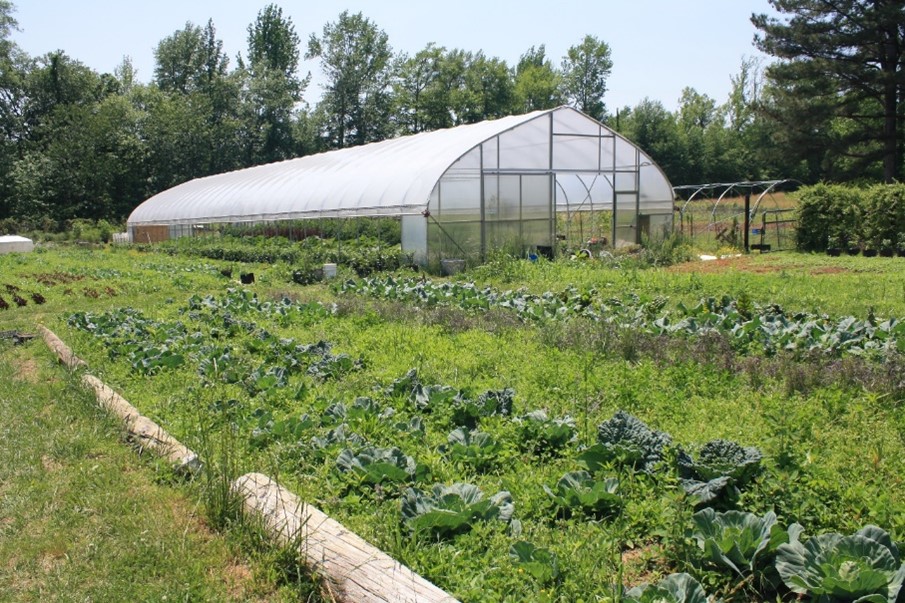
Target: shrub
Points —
{"points": [[884, 213], [825, 211]]}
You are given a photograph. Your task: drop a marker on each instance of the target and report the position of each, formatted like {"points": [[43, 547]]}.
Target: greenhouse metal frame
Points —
{"points": [[460, 192]]}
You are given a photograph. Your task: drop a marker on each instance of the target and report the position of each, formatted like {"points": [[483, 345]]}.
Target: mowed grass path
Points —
{"points": [[83, 518]]}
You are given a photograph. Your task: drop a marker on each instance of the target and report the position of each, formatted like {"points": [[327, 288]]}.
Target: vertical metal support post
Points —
{"points": [[613, 172], [747, 220], [483, 217], [637, 195], [552, 195]]}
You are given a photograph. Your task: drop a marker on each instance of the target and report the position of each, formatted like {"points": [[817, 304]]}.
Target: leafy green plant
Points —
{"points": [[736, 540], [542, 435], [864, 567], [674, 588], [450, 510], [578, 492], [372, 465], [467, 412], [474, 448], [721, 469], [268, 429], [540, 564], [626, 440]]}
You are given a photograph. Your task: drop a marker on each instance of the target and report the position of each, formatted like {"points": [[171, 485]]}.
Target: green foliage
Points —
{"points": [[739, 541], [450, 510], [884, 214], [826, 211], [578, 492], [674, 588], [862, 567], [626, 440], [586, 69], [356, 58], [851, 108], [541, 564]]}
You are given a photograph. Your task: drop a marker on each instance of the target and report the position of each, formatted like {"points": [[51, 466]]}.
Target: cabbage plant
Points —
{"points": [[863, 568], [541, 564], [474, 448], [541, 434], [374, 465], [626, 440], [578, 492], [674, 588], [720, 470], [737, 540], [449, 510]]}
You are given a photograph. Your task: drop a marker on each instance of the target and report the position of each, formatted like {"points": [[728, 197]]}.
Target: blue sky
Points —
{"points": [[658, 46]]}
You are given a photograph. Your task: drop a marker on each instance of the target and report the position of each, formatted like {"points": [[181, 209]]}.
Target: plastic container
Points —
{"points": [[329, 270]]}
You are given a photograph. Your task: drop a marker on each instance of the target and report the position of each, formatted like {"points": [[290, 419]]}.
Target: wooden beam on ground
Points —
{"points": [[145, 432], [63, 352], [356, 571]]}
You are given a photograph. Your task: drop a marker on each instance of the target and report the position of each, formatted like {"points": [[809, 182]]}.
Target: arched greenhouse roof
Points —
{"points": [[390, 178]]}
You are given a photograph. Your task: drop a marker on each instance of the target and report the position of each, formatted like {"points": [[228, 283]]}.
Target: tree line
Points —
{"points": [[75, 143]]}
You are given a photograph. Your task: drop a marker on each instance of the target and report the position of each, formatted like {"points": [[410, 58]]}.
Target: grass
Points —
{"points": [[83, 518], [808, 416]]}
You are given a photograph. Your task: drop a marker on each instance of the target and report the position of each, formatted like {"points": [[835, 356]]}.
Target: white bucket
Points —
{"points": [[329, 270]]}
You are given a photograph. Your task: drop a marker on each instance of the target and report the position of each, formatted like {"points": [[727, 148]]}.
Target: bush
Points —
{"points": [[828, 210], [884, 215]]}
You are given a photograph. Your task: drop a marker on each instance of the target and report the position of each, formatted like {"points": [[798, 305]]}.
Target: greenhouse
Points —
{"points": [[520, 183]]}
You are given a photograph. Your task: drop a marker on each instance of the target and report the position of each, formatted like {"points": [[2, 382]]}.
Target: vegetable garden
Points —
{"points": [[541, 443]]}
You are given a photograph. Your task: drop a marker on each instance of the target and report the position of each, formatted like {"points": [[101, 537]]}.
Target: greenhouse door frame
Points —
{"points": [[492, 206]]}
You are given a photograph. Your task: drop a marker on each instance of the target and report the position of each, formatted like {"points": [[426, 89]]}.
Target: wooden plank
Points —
{"points": [[63, 352], [356, 571], [142, 430]]}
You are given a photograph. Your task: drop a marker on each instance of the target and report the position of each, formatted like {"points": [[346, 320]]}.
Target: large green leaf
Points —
{"points": [[450, 510], [578, 492], [541, 564], [626, 440], [674, 588], [860, 567], [733, 539]]}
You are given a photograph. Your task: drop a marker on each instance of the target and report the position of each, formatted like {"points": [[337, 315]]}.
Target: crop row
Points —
{"points": [[751, 328], [218, 338]]}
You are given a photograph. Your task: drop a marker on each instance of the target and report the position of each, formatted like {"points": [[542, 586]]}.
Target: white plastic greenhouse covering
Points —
{"points": [[459, 191]]}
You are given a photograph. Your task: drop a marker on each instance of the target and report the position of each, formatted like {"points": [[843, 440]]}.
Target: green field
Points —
{"points": [[219, 364]]}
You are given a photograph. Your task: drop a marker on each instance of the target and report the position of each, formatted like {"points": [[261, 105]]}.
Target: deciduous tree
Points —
{"points": [[586, 68], [356, 58]]}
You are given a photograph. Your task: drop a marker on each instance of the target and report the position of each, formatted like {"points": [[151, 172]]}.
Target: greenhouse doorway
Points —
{"points": [[517, 215]]}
